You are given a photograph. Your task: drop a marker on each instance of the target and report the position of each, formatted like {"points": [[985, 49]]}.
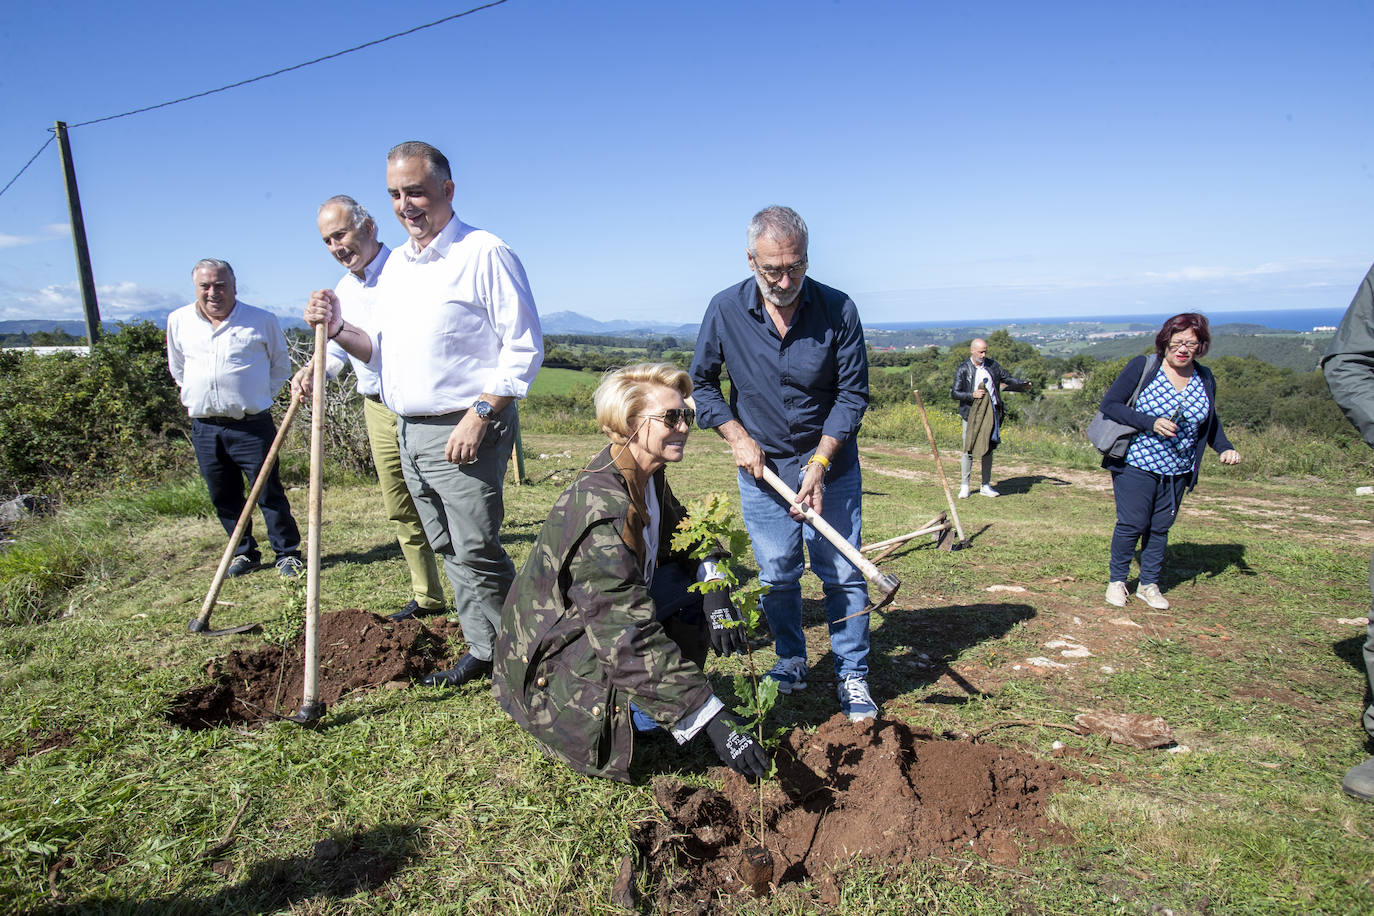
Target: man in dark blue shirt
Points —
{"points": [[798, 366]]}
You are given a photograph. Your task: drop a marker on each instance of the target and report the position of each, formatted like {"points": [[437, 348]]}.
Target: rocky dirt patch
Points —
{"points": [[877, 790], [358, 650]]}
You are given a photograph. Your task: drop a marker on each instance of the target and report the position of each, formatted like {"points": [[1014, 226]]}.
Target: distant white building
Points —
{"points": [[82, 350]]}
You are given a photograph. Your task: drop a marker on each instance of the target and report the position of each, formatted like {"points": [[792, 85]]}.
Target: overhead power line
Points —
{"points": [[368, 44], [51, 137], [255, 79]]}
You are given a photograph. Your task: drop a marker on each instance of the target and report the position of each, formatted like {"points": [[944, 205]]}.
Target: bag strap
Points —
{"points": [[1150, 362]]}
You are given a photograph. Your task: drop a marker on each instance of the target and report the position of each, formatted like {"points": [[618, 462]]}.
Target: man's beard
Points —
{"points": [[778, 298]]}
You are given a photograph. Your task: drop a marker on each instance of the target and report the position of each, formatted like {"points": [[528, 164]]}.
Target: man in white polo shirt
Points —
{"points": [[350, 234], [457, 341], [230, 359]]}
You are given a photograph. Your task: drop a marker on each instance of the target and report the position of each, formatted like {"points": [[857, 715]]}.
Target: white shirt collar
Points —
{"points": [[438, 246]]}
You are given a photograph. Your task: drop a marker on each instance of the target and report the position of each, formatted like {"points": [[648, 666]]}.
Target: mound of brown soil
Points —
{"points": [[874, 789], [358, 650]]}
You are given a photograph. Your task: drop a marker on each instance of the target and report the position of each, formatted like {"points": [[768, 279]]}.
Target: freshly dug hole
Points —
{"points": [[879, 790], [358, 650]]}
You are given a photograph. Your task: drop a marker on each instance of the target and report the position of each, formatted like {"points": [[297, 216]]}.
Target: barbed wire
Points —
{"points": [[255, 79]]}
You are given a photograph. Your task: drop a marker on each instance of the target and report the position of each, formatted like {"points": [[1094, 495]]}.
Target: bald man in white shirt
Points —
{"points": [[350, 234], [457, 341]]}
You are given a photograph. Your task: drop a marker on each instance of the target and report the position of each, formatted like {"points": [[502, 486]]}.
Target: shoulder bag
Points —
{"points": [[1110, 437]]}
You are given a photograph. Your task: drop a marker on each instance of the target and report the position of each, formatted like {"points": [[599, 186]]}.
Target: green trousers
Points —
{"points": [[425, 581]]}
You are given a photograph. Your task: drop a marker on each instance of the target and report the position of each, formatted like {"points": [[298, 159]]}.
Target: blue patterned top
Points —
{"points": [[1188, 408]]}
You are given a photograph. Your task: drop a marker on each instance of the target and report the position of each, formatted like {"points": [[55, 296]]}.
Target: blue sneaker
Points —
{"points": [[790, 673], [855, 700]]}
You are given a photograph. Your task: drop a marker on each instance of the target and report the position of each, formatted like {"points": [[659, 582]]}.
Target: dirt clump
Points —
{"points": [[878, 790], [39, 744], [358, 650]]}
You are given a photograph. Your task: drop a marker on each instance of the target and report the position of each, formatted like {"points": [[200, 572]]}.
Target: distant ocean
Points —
{"points": [[1274, 319]]}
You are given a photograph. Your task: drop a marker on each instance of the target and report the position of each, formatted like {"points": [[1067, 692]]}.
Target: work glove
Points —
{"points": [[726, 631], [739, 752]]}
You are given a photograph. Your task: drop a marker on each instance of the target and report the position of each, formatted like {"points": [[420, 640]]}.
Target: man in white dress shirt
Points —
{"points": [[457, 341], [230, 359], [350, 234]]}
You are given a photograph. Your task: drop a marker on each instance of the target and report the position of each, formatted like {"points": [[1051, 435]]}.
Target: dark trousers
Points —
{"points": [[1369, 655], [679, 610], [1146, 506], [227, 451]]}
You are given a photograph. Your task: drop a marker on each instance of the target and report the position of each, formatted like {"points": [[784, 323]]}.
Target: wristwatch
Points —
{"points": [[483, 409]]}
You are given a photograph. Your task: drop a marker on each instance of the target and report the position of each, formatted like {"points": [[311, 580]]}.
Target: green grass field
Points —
{"points": [[563, 381], [104, 807]]}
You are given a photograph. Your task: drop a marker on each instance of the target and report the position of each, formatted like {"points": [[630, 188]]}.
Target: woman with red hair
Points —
{"points": [[1175, 414]]}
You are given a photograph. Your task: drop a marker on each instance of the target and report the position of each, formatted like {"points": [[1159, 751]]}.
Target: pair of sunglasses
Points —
{"points": [[675, 415]]}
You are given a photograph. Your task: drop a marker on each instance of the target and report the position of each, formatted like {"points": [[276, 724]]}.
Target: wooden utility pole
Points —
{"points": [[83, 253]]}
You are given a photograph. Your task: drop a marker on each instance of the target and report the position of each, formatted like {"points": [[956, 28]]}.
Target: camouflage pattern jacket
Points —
{"points": [[578, 640]]}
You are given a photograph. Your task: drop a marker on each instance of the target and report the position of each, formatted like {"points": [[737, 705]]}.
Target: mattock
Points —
{"points": [[887, 584]]}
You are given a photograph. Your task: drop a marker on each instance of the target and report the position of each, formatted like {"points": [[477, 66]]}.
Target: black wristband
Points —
{"points": [[338, 332]]}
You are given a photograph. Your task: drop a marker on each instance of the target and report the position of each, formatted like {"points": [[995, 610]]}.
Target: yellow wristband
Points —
{"points": [[823, 461]]}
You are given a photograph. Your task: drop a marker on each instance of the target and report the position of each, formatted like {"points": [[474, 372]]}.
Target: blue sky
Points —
{"points": [[970, 160]]}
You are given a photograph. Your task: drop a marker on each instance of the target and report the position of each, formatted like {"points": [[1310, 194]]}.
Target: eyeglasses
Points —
{"points": [[1189, 345], [774, 274], [673, 416]]}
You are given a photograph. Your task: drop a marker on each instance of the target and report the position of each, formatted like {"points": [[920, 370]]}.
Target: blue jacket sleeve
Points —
{"points": [[712, 408], [1114, 406], [851, 377]]}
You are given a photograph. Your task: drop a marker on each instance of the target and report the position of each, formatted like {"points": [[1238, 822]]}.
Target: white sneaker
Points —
{"points": [[855, 700], [1116, 594], [986, 490], [1151, 596], [963, 492]]}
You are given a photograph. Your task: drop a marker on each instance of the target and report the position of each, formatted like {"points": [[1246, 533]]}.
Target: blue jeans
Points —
{"points": [[778, 543], [1146, 506]]}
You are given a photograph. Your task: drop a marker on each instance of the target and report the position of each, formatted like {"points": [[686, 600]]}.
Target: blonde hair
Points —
{"points": [[624, 393]]}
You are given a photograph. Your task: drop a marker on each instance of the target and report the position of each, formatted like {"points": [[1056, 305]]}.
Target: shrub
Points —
{"points": [[345, 430], [69, 422]]}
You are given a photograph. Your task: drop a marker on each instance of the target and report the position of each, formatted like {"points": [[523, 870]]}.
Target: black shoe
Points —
{"points": [[241, 565], [469, 668], [413, 609]]}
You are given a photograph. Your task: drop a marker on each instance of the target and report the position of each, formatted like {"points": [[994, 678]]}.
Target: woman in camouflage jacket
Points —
{"points": [[599, 623]]}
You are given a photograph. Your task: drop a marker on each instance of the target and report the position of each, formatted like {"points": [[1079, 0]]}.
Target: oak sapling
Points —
{"points": [[710, 529]]}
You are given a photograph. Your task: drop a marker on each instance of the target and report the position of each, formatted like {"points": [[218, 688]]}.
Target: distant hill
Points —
{"points": [[575, 323], [1299, 352], [77, 328]]}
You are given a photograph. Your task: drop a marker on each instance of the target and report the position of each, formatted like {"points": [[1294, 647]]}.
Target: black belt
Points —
{"points": [[233, 421]]}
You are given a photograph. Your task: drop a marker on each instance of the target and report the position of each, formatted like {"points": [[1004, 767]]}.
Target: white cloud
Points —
{"points": [[63, 300], [45, 234]]}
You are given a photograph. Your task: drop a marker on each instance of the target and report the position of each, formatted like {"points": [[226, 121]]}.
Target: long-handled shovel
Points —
{"points": [[201, 624], [888, 584], [311, 708], [939, 466]]}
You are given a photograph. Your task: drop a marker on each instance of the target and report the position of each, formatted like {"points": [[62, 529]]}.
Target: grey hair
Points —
{"points": [[357, 213], [438, 162], [214, 264], [780, 223]]}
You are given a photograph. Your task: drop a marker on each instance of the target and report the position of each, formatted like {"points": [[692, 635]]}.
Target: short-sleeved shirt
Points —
{"points": [[1158, 454]]}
